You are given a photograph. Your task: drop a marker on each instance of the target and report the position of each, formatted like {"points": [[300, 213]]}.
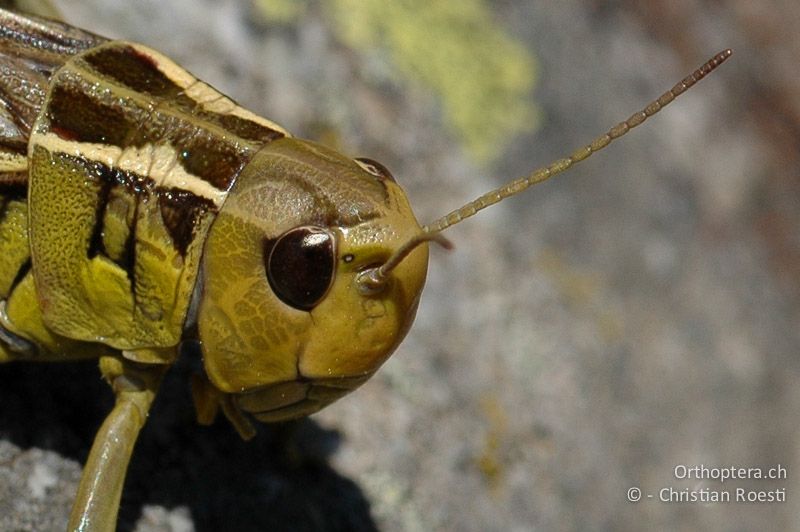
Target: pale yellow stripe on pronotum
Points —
{"points": [[215, 102], [206, 96], [158, 163]]}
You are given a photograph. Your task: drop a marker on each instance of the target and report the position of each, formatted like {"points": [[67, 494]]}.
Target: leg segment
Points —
{"points": [[100, 489]]}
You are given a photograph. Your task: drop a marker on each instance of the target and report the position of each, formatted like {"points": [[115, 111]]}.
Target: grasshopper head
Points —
{"points": [[285, 324], [314, 267]]}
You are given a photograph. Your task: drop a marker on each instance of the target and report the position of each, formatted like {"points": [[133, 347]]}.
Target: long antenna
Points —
{"points": [[372, 279]]}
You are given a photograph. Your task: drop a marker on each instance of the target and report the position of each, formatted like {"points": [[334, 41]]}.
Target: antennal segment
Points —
{"points": [[518, 185], [372, 280]]}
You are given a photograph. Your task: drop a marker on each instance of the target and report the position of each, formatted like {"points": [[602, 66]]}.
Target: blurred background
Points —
{"points": [[637, 314]]}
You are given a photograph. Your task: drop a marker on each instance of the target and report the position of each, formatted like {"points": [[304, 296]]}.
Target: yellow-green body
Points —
{"points": [[108, 273], [105, 267], [140, 208]]}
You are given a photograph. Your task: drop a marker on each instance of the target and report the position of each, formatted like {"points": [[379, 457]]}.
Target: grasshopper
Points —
{"points": [[140, 208]]}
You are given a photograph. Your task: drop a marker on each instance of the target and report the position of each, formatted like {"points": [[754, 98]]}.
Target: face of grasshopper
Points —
{"points": [[283, 322]]}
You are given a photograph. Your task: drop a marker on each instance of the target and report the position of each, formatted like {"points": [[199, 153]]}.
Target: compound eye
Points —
{"points": [[300, 266], [375, 168]]}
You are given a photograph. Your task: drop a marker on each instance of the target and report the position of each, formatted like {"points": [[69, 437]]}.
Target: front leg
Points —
{"points": [[97, 502]]}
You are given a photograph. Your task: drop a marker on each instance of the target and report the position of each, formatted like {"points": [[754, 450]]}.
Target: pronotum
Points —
{"points": [[142, 209]]}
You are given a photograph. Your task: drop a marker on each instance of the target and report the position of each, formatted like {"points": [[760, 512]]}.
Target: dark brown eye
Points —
{"points": [[300, 266], [375, 168]]}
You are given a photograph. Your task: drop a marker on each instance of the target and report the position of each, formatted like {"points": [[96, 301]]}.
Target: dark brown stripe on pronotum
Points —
{"points": [[133, 68], [246, 129], [100, 117], [181, 211], [107, 179], [200, 152], [209, 157], [78, 111], [96, 245], [127, 66]]}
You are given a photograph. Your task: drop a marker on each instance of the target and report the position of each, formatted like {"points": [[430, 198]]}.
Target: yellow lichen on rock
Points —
{"points": [[482, 75], [281, 11]]}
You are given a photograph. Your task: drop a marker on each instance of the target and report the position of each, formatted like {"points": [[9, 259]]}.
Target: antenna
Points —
{"points": [[373, 279]]}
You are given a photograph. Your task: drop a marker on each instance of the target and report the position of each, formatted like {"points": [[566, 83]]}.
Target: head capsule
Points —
{"points": [[314, 267], [284, 325]]}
